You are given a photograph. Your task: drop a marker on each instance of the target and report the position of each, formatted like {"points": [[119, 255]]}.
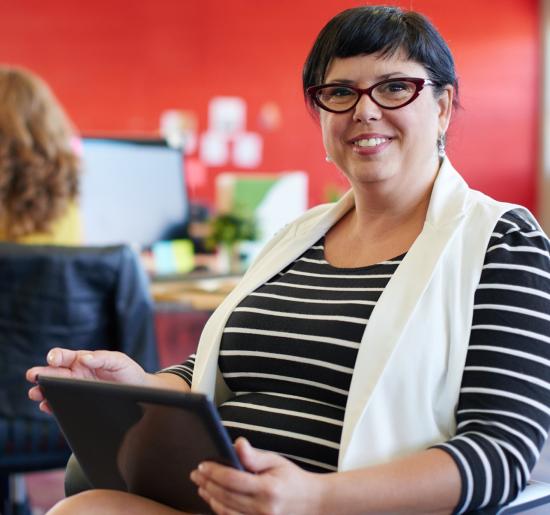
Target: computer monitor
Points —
{"points": [[132, 191]]}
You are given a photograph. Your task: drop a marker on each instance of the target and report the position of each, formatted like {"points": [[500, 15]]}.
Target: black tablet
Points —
{"points": [[140, 440]]}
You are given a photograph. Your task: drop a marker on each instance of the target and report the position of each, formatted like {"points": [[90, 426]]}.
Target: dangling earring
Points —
{"points": [[441, 145], [328, 159]]}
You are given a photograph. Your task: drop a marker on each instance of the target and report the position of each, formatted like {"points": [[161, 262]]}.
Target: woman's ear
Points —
{"points": [[445, 105]]}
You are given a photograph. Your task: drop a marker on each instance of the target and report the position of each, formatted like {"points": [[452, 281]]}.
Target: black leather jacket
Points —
{"points": [[74, 297]]}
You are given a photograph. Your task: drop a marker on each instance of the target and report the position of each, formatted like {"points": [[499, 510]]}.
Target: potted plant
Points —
{"points": [[227, 231]]}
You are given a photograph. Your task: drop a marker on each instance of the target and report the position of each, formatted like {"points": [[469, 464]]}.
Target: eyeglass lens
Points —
{"points": [[388, 94]]}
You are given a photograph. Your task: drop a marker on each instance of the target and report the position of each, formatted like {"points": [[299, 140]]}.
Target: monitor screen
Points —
{"points": [[132, 191]]}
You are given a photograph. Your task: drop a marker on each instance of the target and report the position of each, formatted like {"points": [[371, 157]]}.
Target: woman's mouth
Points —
{"points": [[370, 142]]}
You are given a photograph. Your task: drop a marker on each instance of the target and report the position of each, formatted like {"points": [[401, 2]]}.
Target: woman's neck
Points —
{"points": [[396, 199]]}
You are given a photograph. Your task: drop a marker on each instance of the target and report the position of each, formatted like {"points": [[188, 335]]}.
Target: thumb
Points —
{"points": [[255, 460]]}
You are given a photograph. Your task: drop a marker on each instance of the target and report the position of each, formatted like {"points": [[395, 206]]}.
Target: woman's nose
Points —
{"points": [[366, 110]]}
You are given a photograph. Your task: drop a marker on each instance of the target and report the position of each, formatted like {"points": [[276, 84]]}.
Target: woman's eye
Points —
{"points": [[339, 92], [395, 87]]}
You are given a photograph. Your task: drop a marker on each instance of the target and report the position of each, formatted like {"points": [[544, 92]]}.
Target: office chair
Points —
{"points": [[74, 297], [536, 495]]}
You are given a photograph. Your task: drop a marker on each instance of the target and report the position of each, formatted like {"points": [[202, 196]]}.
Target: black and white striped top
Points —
{"points": [[289, 349]]}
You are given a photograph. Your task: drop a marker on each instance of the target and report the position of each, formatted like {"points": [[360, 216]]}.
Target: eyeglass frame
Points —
{"points": [[419, 83]]}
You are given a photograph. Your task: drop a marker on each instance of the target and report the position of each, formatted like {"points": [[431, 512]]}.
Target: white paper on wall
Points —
{"points": [[247, 150], [179, 129], [214, 148], [227, 115]]}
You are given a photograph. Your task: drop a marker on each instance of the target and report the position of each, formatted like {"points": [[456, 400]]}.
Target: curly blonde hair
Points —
{"points": [[39, 171]]}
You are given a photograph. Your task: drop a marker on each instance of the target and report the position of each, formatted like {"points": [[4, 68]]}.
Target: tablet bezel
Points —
{"points": [[72, 400]]}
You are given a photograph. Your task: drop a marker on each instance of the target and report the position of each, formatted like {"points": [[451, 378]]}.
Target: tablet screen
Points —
{"points": [[141, 440]]}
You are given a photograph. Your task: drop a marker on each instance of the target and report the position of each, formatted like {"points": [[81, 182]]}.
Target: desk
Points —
{"points": [[182, 307], [200, 291]]}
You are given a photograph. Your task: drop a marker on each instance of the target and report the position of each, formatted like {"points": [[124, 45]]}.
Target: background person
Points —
{"points": [[389, 353], [39, 170]]}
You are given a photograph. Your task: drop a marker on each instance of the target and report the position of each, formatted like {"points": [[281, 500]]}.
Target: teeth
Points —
{"points": [[370, 142]]}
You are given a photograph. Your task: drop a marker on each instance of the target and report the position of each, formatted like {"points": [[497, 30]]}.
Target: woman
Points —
{"points": [[387, 353], [39, 171]]}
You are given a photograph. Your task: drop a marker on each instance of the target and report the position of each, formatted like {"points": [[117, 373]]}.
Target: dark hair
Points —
{"points": [[39, 172], [385, 30]]}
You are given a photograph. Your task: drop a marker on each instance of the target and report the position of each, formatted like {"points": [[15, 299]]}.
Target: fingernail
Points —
{"points": [[50, 357], [243, 441]]}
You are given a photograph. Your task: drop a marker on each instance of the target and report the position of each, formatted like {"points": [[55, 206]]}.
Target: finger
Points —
{"points": [[33, 373], [106, 360], [256, 460], [228, 478], [217, 506], [45, 407], [35, 394], [58, 357], [224, 501]]}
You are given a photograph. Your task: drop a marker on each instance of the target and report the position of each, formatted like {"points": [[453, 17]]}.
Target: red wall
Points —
{"points": [[117, 64]]}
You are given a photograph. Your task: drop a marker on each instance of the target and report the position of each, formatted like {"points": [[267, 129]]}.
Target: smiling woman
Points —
{"points": [[387, 353]]}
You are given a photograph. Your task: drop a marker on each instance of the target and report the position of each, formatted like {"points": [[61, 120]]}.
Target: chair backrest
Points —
{"points": [[535, 496], [74, 297]]}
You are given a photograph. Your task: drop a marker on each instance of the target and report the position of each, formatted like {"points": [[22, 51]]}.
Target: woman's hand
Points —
{"points": [[100, 364], [277, 486]]}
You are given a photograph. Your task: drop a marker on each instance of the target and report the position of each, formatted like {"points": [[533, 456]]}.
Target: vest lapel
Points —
{"points": [[297, 242], [400, 297], [205, 376]]}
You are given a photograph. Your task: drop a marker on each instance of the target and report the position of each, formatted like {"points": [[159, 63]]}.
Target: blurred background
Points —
{"points": [[119, 66]]}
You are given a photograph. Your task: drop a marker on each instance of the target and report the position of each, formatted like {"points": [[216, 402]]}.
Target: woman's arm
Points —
{"points": [[178, 377], [427, 482], [168, 381], [503, 412]]}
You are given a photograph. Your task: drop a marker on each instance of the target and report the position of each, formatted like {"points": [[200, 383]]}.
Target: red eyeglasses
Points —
{"points": [[388, 94]]}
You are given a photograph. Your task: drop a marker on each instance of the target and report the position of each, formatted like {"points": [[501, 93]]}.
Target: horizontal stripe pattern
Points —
{"points": [[286, 401], [503, 412], [292, 344], [185, 370]]}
